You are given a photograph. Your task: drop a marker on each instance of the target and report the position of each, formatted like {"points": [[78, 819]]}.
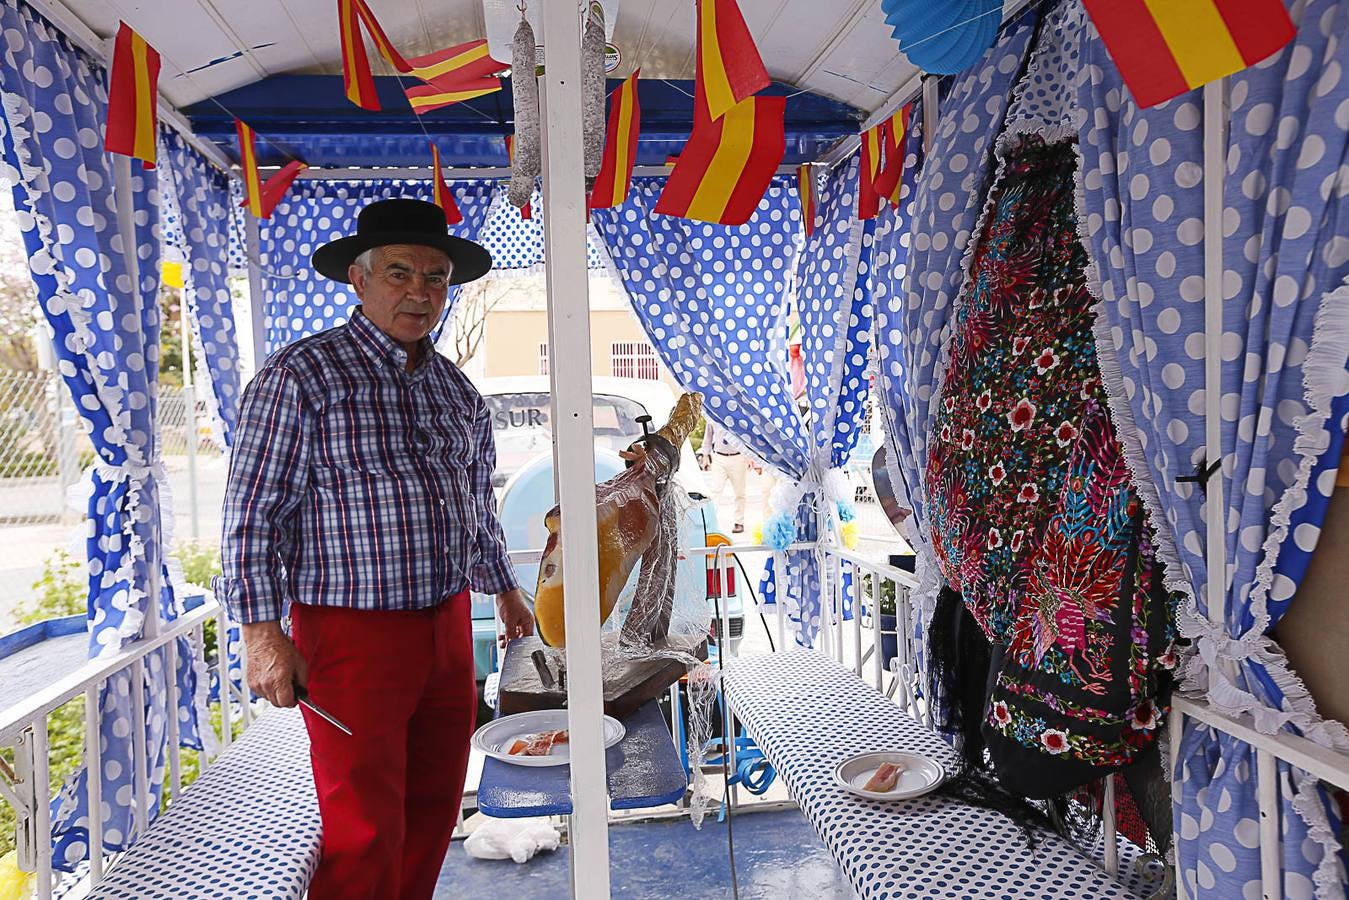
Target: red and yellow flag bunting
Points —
{"points": [[868, 198], [133, 94], [729, 68], [1164, 48], [248, 161], [453, 75], [727, 164], [360, 85], [441, 195], [889, 181], [620, 146], [805, 189], [274, 188]]}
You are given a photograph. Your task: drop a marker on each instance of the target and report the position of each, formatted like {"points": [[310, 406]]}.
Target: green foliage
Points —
{"points": [[887, 601], [696, 439], [62, 590], [200, 562]]}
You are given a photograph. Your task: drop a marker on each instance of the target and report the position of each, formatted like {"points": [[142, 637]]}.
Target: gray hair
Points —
{"points": [[366, 260]]}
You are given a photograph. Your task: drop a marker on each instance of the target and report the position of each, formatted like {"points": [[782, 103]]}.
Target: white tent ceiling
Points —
{"points": [[838, 48]]}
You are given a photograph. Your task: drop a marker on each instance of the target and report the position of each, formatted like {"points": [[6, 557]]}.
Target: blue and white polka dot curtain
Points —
{"points": [[199, 236], [1285, 347], [516, 243], [106, 327], [913, 329], [297, 300]]}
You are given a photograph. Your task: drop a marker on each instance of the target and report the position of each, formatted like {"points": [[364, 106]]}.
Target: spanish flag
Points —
{"points": [[526, 211], [248, 161], [133, 97], [868, 198], [727, 164], [457, 64], [805, 188], [1164, 48], [729, 68], [620, 146], [890, 179], [441, 195], [426, 97], [274, 188], [360, 85]]}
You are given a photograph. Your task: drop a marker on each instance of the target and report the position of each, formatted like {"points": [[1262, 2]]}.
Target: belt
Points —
{"points": [[719, 453]]}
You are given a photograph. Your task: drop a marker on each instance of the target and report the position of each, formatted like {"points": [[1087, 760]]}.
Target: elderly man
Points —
{"points": [[359, 499]]}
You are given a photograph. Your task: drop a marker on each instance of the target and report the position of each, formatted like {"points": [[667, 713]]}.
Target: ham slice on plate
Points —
{"points": [[884, 779], [540, 744]]}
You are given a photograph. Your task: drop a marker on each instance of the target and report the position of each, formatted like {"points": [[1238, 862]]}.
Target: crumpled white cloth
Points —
{"points": [[517, 839]]}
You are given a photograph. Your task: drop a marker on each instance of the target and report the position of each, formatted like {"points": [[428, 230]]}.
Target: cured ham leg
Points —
{"points": [[628, 522]]}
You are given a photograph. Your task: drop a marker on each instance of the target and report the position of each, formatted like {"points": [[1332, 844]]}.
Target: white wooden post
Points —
{"points": [[190, 412], [574, 442], [257, 320], [1215, 142]]}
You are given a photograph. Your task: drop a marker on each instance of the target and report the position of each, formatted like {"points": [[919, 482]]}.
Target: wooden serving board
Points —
{"points": [[627, 685]]}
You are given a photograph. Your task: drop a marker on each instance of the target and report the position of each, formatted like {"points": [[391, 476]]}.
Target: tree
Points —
{"points": [[464, 332], [19, 312]]}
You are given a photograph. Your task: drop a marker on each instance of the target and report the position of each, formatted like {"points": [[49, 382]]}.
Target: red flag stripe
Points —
{"points": [[1140, 52], [248, 161], [620, 146], [133, 97], [1256, 26], [805, 188]]}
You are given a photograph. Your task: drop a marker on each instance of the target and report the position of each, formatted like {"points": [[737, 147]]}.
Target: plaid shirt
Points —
{"points": [[355, 483]]}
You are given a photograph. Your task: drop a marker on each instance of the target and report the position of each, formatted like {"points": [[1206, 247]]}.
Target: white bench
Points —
{"points": [[807, 712], [249, 827]]}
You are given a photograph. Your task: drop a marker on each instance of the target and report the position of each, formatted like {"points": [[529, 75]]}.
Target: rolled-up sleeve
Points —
{"points": [[268, 477], [493, 573]]}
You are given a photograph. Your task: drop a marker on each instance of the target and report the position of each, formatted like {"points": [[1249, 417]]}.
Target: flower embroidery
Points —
{"points": [[1065, 434], [1017, 537], [1029, 493], [994, 538], [1046, 361], [1145, 716], [1054, 741], [1169, 659], [1001, 715], [996, 473], [946, 433], [966, 439], [1019, 345], [984, 401], [1022, 415]]}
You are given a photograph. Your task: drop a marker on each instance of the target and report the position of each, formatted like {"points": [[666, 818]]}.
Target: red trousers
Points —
{"points": [[388, 795]]}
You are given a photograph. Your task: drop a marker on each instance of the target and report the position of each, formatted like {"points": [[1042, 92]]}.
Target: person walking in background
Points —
{"points": [[725, 462]]}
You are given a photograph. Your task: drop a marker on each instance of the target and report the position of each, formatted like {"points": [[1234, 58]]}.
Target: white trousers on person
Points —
{"points": [[732, 469]]}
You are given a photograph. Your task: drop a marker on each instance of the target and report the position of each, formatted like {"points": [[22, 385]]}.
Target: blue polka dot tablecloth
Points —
{"points": [[807, 713], [249, 828]]}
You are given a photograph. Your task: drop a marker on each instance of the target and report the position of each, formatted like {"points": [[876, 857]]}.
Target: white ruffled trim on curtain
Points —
{"points": [[1329, 879], [1323, 371]]}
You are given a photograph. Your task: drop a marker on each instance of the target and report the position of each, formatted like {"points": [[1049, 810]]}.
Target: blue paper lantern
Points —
{"points": [[943, 36]]}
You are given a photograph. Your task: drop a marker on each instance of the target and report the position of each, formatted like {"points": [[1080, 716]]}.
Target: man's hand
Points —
{"points": [[274, 665], [516, 619], [704, 461]]}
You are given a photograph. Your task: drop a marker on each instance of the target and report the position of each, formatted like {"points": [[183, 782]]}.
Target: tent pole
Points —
{"points": [[257, 331], [1215, 140], [126, 226], [564, 235]]}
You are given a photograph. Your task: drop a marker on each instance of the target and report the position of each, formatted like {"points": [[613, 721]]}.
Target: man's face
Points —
{"points": [[404, 293]]}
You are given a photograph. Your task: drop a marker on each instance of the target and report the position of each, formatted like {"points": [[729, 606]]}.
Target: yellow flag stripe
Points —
{"points": [[449, 65], [348, 24], [145, 100], [1198, 38], [253, 183], [733, 150], [716, 84], [621, 161], [421, 102]]}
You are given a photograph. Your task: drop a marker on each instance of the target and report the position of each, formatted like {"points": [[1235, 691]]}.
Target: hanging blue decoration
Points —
{"points": [[779, 532], [846, 512], [943, 37]]}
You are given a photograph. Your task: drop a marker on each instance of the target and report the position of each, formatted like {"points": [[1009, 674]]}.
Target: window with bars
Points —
{"points": [[634, 359], [543, 359]]}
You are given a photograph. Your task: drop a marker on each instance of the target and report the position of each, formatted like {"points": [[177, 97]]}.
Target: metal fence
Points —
{"points": [[44, 449]]}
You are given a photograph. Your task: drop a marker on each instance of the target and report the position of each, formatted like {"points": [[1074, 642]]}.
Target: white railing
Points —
{"points": [[24, 726]]}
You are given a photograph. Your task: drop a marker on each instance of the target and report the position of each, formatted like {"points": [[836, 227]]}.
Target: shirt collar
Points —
{"points": [[382, 348]]}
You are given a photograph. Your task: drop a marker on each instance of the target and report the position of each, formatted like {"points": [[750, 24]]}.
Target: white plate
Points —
{"points": [[921, 774], [495, 738]]}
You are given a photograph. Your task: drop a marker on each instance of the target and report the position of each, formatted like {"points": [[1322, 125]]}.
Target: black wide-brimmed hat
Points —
{"points": [[402, 220]]}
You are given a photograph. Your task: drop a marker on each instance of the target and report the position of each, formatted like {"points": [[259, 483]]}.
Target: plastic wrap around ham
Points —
{"points": [[628, 519]]}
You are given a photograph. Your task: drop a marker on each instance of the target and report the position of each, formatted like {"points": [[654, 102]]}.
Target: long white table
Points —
{"points": [[807, 712]]}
